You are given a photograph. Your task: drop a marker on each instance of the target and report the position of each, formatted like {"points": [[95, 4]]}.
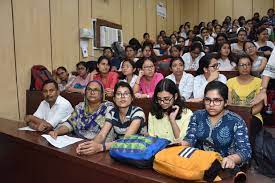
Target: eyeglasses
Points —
{"points": [[164, 100], [120, 95], [216, 101], [244, 65], [93, 90], [148, 67], [215, 66], [249, 48]]}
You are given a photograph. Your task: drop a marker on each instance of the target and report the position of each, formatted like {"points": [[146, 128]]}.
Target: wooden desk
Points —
{"points": [[27, 157]]}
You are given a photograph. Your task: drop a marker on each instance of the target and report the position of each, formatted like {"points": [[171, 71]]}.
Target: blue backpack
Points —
{"points": [[137, 150]]}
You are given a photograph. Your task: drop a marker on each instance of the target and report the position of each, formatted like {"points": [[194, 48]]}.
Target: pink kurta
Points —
{"points": [[149, 87]]}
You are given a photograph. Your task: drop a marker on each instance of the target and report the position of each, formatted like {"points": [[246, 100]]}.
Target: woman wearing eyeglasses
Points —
{"points": [[124, 118], [217, 129], [147, 79], [89, 116], [242, 89], [208, 71], [169, 118], [258, 62]]}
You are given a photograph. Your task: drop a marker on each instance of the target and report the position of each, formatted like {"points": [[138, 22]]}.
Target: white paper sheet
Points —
{"points": [[26, 128], [61, 141]]}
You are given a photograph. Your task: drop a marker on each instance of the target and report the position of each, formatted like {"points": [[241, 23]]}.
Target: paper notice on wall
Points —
{"points": [[161, 10]]}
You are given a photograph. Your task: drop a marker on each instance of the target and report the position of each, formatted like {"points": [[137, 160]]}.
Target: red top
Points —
{"points": [[109, 81]]}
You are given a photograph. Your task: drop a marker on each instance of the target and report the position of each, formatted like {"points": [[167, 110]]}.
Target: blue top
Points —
{"points": [[228, 136]]}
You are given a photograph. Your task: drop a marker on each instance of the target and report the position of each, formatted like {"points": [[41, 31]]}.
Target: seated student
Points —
{"points": [[225, 58], [163, 65], [183, 80], [208, 40], [208, 71], [169, 118], [192, 58], [115, 62], [220, 39], [128, 72], [147, 79], [160, 40], [173, 39], [88, 117], [242, 89], [124, 118], [258, 62], [241, 38], [63, 78], [191, 35], [130, 53], [105, 76], [52, 111], [181, 45], [217, 129], [263, 44], [164, 47], [146, 38], [82, 79]]}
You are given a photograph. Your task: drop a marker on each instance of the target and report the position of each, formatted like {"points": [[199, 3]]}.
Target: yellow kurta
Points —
{"points": [[163, 129], [243, 94]]}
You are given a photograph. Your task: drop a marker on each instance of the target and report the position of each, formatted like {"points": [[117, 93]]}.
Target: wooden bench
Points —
{"points": [[35, 97]]}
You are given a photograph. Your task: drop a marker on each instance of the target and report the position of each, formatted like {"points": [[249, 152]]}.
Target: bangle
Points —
{"points": [[263, 88], [103, 147]]}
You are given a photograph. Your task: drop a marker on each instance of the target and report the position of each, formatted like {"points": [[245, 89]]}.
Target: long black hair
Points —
{"points": [[168, 86], [230, 56], [204, 63]]}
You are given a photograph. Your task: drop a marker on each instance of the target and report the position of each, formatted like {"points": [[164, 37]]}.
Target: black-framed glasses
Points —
{"points": [[215, 101], [215, 66], [164, 100], [250, 47], [120, 95]]}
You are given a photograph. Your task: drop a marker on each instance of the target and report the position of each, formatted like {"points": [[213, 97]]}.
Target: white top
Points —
{"points": [[188, 61], [235, 47], [133, 80], [226, 65], [200, 83], [186, 84], [257, 63], [209, 41], [58, 113], [268, 43], [270, 66]]}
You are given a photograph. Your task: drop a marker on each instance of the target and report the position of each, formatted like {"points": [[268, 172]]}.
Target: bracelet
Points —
{"points": [[263, 88], [103, 147]]}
